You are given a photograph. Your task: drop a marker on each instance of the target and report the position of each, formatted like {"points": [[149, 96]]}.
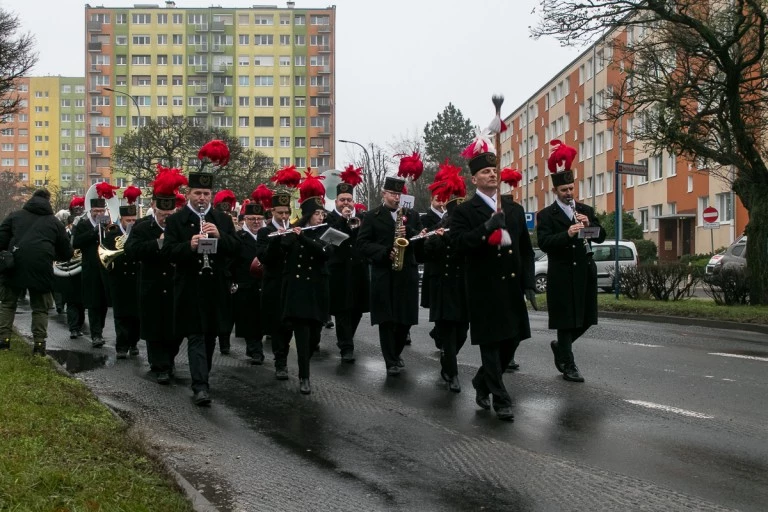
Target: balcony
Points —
{"points": [[219, 48], [94, 110], [217, 87], [325, 131], [201, 89], [95, 69], [201, 48], [324, 89], [201, 68], [324, 70], [218, 109], [95, 129], [217, 26], [94, 26], [324, 29], [221, 68], [94, 152], [203, 109], [94, 47], [202, 27], [324, 109], [325, 48]]}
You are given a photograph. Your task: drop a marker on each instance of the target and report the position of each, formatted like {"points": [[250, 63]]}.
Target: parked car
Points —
{"points": [[604, 256], [734, 256]]}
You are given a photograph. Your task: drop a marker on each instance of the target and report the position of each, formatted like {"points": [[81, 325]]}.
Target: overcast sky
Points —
{"points": [[398, 62]]}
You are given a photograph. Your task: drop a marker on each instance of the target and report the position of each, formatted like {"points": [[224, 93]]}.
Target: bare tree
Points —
{"points": [[17, 57], [380, 166], [12, 193], [251, 169], [408, 144], [696, 80]]}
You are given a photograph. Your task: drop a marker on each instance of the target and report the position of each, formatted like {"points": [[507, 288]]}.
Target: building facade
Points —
{"points": [[668, 204], [265, 73]]}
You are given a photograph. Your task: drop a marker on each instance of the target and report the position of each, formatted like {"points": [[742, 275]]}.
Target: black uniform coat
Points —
{"points": [[429, 221], [349, 283], [196, 292], [394, 295], [271, 285], [247, 298], [123, 281], [495, 276], [155, 281], [571, 274], [70, 287], [45, 243], [86, 238], [305, 276], [448, 293]]}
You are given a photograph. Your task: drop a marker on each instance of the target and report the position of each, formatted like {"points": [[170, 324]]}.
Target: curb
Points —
{"points": [[683, 320], [199, 502]]}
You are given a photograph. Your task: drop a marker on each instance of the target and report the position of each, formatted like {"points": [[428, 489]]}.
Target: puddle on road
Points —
{"points": [[77, 362]]}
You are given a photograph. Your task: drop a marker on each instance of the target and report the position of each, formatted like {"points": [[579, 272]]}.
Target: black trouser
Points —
{"points": [[452, 335], [97, 316], [75, 316], [392, 340], [488, 379], [565, 339], [346, 327], [254, 347], [126, 332], [307, 336], [161, 354], [281, 340], [200, 349], [58, 298]]}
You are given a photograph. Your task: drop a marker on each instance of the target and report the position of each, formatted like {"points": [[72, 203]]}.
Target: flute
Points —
{"points": [[428, 234], [277, 233]]}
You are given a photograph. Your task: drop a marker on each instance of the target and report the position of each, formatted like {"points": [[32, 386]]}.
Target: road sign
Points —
{"points": [[709, 214], [529, 220], [633, 169], [711, 225]]}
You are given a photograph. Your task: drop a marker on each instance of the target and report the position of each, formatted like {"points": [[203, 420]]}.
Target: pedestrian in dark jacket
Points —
{"points": [[36, 239]]}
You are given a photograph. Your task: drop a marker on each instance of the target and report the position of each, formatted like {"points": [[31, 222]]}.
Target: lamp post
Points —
{"points": [[367, 166], [133, 99]]}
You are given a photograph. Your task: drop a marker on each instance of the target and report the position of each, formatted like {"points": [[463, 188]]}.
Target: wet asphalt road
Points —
{"points": [[670, 418]]}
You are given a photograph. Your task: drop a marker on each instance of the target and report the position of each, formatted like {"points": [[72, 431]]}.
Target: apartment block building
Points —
{"points": [[265, 73], [44, 143], [668, 204]]}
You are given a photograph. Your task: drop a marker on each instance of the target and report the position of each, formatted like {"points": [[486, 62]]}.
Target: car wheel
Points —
{"points": [[541, 283]]}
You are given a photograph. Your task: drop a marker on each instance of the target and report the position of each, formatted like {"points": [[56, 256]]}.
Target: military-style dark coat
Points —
{"points": [[350, 277], [305, 291], [197, 307], [247, 298], [272, 282], [86, 238], [122, 277], [156, 273], [495, 276], [448, 293], [394, 294], [429, 221], [70, 287], [571, 273]]}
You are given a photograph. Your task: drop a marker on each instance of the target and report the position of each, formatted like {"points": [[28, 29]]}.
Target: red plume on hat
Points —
{"points": [[131, 194], [246, 202], [411, 166], [511, 177], [561, 158], [360, 208], [77, 201], [181, 200], [167, 181], [105, 190], [287, 177], [311, 186], [450, 183], [216, 151], [262, 195], [352, 175], [224, 196]]}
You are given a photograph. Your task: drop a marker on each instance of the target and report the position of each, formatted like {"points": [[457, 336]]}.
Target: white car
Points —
{"points": [[604, 255]]}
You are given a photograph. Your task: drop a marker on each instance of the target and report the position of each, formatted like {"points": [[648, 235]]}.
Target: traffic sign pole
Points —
{"points": [[709, 215]]}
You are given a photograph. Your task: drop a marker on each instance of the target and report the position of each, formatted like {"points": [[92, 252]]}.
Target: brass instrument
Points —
{"points": [[206, 261], [352, 222], [400, 243], [428, 234], [289, 231], [107, 257]]}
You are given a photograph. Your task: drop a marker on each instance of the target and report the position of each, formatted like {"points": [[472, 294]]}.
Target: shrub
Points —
{"points": [[728, 287], [671, 281], [631, 282], [647, 252]]}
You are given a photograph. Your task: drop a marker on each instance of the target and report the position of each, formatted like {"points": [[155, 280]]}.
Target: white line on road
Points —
{"points": [[667, 408], [639, 344], [739, 356]]}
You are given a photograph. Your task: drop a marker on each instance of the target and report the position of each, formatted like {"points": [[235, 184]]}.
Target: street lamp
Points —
{"points": [[133, 99], [367, 166]]}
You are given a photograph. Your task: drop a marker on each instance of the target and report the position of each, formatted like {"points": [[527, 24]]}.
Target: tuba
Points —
{"points": [[400, 243], [106, 256]]}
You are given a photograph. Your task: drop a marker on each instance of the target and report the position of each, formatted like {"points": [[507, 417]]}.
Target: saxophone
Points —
{"points": [[400, 243]]}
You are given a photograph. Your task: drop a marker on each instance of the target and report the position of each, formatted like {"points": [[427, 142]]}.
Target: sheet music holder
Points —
{"points": [[333, 236]]}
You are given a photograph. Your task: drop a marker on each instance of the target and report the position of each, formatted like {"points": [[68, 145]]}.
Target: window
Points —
{"points": [[120, 121], [724, 206], [690, 184], [703, 203], [65, 118], [263, 101], [162, 101], [285, 60], [141, 40], [141, 19], [319, 20], [319, 60], [263, 39], [244, 141], [300, 81], [244, 101], [656, 212], [671, 165], [299, 19], [657, 171], [672, 208], [285, 40], [300, 142], [162, 60], [178, 101], [121, 19], [285, 19], [599, 184], [263, 20], [162, 79], [300, 60], [609, 181], [144, 101], [244, 39], [300, 122], [177, 80], [285, 142], [162, 19], [142, 80], [599, 138], [300, 101], [263, 60], [121, 101], [141, 60], [66, 103], [242, 122], [285, 101], [263, 122], [263, 80], [81, 133], [285, 80], [285, 122], [178, 19], [177, 38], [300, 40], [79, 103], [300, 161], [264, 142], [643, 219], [643, 179], [7, 147], [23, 148]]}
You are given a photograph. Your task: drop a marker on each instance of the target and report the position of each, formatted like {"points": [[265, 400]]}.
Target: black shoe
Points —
{"points": [[454, 385], [38, 348], [393, 371], [408, 339], [281, 373], [134, 351], [445, 376], [97, 341], [257, 359], [400, 362], [5, 344], [201, 398], [304, 387], [559, 361], [505, 414], [482, 400], [513, 366], [572, 374], [348, 357], [73, 335], [163, 378], [121, 354]]}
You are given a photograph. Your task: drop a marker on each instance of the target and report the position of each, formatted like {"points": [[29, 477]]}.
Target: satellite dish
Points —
{"points": [[332, 178]]}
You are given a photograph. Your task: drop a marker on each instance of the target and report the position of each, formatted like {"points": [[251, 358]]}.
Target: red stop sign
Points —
{"points": [[709, 214]]}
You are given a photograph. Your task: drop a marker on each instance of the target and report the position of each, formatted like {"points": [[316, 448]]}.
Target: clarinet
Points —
{"points": [[587, 247], [206, 262]]}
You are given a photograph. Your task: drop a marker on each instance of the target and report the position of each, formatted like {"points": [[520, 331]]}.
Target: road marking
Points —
{"points": [[739, 356], [639, 344], [667, 408], [729, 380]]}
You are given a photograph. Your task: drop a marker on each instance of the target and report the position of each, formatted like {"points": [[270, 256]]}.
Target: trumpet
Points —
{"points": [[206, 261], [352, 222], [428, 234], [288, 231]]}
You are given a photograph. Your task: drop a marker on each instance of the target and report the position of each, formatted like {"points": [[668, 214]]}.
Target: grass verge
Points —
{"points": [[63, 450]]}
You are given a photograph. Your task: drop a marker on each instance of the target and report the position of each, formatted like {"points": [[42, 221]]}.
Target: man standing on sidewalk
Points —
{"points": [[36, 239]]}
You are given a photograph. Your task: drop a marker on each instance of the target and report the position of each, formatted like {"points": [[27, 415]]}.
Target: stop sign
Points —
{"points": [[709, 214]]}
